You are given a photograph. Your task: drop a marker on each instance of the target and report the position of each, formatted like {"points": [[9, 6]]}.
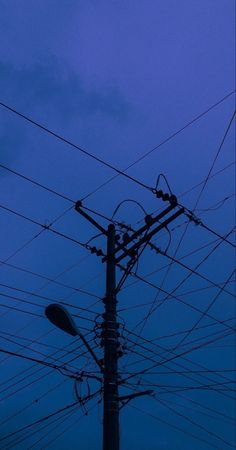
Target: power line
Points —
{"points": [[188, 419], [14, 308], [191, 216], [179, 299], [45, 375], [173, 135], [193, 271], [189, 371], [216, 436], [33, 294], [32, 341], [172, 350], [58, 194], [215, 158], [190, 388], [192, 252], [47, 417], [198, 411], [34, 304], [36, 183], [101, 161], [181, 366], [206, 310], [177, 333], [70, 413], [46, 227], [172, 358], [22, 346], [69, 373], [28, 434], [38, 361], [175, 427], [42, 419], [185, 373], [211, 176], [77, 147], [192, 291], [51, 280]]}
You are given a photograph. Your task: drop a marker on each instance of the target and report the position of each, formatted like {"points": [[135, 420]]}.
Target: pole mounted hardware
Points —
{"points": [[124, 399], [117, 249]]}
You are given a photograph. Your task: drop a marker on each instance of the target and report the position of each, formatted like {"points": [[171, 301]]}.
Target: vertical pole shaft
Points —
{"points": [[110, 334]]}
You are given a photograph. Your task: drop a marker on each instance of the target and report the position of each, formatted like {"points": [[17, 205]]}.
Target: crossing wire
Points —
{"points": [[172, 358], [77, 147], [195, 308], [101, 161], [206, 310], [171, 351], [58, 194], [188, 419], [192, 252], [185, 230], [190, 216], [176, 428], [51, 280], [161, 362], [44, 297], [45, 375], [153, 308]]}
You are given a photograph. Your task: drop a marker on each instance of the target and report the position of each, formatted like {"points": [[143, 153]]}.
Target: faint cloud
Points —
{"points": [[64, 93], [57, 97]]}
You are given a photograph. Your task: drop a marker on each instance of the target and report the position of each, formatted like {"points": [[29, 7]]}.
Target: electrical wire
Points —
{"points": [[186, 336], [175, 427], [50, 280], [33, 294], [193, 307], [153, 308], [75, 146], [47, 227]]}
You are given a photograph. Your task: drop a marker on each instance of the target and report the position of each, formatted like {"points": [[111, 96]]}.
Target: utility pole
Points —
{"points": [[110, 342], [116, 252]]}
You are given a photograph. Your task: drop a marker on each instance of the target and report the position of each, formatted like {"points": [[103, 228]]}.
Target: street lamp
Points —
{"points": [[62, 319]]}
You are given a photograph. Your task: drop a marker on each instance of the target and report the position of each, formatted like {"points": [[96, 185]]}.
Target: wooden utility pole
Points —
{"points": [[110, 341]]}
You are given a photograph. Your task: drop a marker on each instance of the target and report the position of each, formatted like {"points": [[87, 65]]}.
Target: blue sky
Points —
{"points": [[117, 78]]}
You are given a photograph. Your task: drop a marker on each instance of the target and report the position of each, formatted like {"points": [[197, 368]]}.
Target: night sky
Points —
{"points": [[147, 84]]}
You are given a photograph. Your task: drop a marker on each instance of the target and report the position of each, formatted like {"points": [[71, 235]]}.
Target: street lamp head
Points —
{"points": [[60, 317]]}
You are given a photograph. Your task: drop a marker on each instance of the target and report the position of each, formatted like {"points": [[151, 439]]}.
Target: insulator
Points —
{"points": [[125, 237], [165, 197], [148, 219], [159, 193], [173, 200]]}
